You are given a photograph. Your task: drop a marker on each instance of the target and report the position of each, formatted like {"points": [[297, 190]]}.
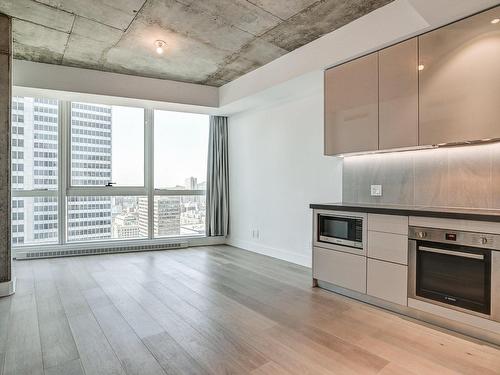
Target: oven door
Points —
{"points": [[458, 277]]}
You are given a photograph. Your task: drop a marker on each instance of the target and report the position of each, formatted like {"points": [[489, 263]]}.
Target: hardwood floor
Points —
{"points": [[209, 310]]}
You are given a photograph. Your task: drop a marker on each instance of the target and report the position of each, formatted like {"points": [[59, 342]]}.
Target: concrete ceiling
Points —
{"points": [[210, 42]]}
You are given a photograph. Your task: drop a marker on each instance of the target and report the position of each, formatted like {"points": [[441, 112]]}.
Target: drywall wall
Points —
{"points": [[64, 80], [277, 169]]}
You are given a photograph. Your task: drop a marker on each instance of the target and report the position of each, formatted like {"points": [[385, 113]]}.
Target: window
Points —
{"points": [[107, 145], [113, 176], [92, 218], [180, 170], [179, 215], [180, 150], [35, 171], [35, 149]]}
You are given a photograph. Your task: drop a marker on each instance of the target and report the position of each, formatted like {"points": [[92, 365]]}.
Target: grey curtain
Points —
{"points": [[217, 220]]}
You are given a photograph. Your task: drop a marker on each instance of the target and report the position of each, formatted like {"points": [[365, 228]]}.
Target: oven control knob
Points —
{"points": [[421, 234], [484, 240]]}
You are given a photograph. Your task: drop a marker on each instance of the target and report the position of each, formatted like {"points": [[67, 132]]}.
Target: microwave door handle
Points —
{"points": [[450, 252]]}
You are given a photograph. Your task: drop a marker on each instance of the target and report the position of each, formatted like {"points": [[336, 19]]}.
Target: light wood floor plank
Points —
{"points": [[210, 310]]}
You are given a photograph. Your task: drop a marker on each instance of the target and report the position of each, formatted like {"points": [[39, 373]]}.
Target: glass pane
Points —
{"points": [[105, 218], [107, 145], [34, 220], [34, 143], [179, 215], [180, 150]]}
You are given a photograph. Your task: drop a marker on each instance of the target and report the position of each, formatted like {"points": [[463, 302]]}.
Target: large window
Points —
{"points": [[105, 172], [180, 170]]}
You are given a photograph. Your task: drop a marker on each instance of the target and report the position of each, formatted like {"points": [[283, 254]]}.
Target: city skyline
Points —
{"points": [[107, 143]]}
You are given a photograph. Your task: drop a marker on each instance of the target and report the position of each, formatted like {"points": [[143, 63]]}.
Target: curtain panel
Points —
{"points": [[217, 219]]}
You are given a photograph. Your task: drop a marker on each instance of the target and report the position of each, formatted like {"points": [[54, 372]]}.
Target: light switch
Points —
{"points": [[376, 190]]}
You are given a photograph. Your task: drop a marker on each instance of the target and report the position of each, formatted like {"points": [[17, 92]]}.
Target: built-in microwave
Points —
{"points": [[339, 229]]}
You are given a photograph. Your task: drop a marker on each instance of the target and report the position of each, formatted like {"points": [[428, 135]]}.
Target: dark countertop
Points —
{"points": [[393, 209]]}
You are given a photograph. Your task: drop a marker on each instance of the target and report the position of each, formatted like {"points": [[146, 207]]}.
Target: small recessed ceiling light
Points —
{"points": [[160, 44], [496, 20], [421, 67]]}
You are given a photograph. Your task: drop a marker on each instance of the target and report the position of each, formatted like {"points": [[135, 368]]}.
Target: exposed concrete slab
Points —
{"points": [[134, 53], [255, 54], [38, 43], [319, 19], [240, 13], [96, 31], [194, 23], [38, 13], [209, 41], [84, 52], [284, 8], [89, 42], [118, 13]]}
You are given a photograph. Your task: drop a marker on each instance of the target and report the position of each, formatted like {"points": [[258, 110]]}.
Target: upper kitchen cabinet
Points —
{"points": [[460, 81], [351, 106], [398, 95]]}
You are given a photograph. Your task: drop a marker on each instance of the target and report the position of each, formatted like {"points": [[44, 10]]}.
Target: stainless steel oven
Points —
{"points": [[455, 269], [339, 229]]}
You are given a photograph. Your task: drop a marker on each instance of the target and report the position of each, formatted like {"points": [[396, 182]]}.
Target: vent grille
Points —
{"points": [[99, 250]]}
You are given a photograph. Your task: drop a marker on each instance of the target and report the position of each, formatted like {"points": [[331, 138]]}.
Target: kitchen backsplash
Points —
{"points": [[466, 176]]}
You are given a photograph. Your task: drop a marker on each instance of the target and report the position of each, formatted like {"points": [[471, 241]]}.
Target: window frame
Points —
{"points": [[66, 190]]}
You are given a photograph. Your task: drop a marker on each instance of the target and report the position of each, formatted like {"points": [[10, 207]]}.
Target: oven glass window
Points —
{"points": [[461, 279]]}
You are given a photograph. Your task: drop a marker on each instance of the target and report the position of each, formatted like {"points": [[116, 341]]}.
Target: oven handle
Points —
{"points": [[449, 252]]}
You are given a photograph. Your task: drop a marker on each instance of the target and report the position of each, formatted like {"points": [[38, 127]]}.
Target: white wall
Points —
{"points": [[69, 83], [277, 169]]}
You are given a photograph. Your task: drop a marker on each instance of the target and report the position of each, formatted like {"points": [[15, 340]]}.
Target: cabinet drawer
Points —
{"points": [[342, 269], [388, 246], [388, 223], [387, 281]]}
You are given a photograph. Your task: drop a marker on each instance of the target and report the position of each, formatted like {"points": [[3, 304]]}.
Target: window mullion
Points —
{"points": [[149, 166], [64, 164]]}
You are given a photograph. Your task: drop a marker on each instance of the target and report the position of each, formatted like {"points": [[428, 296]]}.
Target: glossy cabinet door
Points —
{"points": [[398, 95], [351, 106], [460, 81]]}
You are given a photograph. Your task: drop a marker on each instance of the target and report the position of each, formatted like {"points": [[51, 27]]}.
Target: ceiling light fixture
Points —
{"points": [[495, 20], [160, 44], [421, 67]]}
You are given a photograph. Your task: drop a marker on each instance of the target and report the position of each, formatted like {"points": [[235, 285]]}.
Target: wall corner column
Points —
{"points": [[7, 281]]}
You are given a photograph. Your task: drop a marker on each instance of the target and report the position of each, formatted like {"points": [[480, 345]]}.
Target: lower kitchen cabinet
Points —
{"points": [[387, 281], [339, 268]]}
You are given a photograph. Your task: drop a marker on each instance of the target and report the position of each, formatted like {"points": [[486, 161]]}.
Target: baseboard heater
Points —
{"points": [[96, 250]]}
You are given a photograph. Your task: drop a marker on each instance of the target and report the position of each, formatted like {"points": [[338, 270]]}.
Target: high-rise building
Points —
{"points": [[126, 225], [89, 218], [166, 216], [191, 183], [34, 166]]}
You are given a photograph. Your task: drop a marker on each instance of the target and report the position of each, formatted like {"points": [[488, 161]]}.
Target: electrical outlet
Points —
{"points": [[255, 234], [376, 190]]}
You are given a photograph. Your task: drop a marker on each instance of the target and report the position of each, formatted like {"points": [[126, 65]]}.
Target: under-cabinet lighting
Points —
{"points": [[495, 20]]}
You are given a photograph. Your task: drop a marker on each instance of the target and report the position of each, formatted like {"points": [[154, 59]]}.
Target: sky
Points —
{"points": [[180, 147]]}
